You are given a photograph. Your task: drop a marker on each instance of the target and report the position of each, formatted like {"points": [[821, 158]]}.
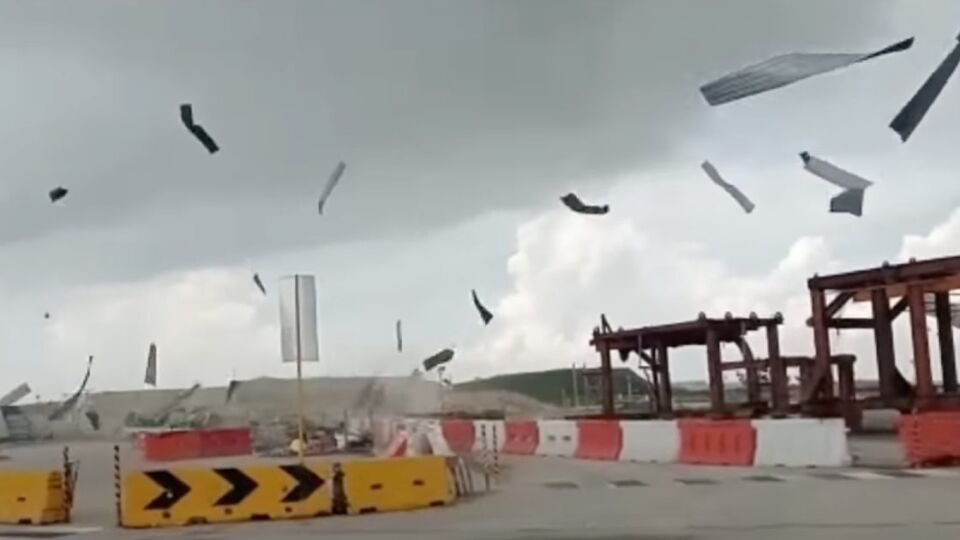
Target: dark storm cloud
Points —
{"points": [[444, 110]]}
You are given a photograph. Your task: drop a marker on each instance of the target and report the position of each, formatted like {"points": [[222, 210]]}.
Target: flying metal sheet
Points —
{"points": [[913, 112], [331, 183], [731, 189], [571, 201], [833, 174], [485, 314], [850, 201], [71, 402], [783, 70], [15, 395], [151, 375]]}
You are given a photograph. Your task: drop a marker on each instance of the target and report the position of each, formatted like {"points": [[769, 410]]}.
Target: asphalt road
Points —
{"points": [[548, 498]]}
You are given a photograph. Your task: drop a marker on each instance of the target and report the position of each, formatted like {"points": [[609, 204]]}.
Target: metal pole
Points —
{"points": [[486, 471], [302, 443], [116, 484], [67, 481], [496, 454], [576, 392]]}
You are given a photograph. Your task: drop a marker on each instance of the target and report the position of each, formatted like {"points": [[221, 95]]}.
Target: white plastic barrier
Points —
{"points": [[479, 426], [801, 442], [438, 444], [383, 431], [557, 438], [653, 441]]}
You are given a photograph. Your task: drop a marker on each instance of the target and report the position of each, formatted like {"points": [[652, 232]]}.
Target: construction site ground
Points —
{"points": [[544, 498]]}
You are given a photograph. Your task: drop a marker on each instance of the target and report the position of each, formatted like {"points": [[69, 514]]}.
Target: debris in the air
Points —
{"points": [[46, 315], [441, 357], [15, 395], [399, 336], [331, 183], [481, 309], [71, 402], [850, 201], [151, 375], [94, 418], [731, 189], [256, 280], [58, 193], [783, 70], [833, 174], [574, 203], [913, 112], [186, 115], [231, 388]]}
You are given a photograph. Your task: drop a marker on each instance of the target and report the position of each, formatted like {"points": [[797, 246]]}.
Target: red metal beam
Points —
{"points": [[606, 382], [897, 308], [921, 348], [887, 275], [820, 382], [715, 371], [753, 381], [850, 323], [948, 362], [779, 388], [666, 386], [883, 342]]}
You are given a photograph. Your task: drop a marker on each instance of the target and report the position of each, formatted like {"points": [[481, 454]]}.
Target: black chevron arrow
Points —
{"points": [[241, 485], [307, 482], [173, 490]]}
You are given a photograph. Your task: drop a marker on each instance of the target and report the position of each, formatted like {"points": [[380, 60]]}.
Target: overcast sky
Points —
{"points": [[462, 123]]}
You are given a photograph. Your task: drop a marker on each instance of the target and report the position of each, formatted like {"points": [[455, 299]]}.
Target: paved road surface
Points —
{"points": [[547, 498]]}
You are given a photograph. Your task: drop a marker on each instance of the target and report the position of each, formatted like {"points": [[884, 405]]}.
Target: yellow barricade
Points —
{"points": [[32, 497], [185, 496], [396, 484]]}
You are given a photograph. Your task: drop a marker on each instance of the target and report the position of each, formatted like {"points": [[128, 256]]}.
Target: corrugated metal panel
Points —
{"points": [[783, 70], [913, 112]]}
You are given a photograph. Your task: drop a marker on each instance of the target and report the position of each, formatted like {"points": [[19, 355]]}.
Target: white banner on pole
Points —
{"points": [[298, 319]]}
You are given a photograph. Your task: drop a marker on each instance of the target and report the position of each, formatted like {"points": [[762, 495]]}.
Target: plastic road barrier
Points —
{"points": [[191, 444], [398, 446], [185, 496], [557, 438], [801, 442], [171, 445], [521, 437], [598, 439], [396, 484], [460, 435], [33, 497], [225, 442], [717, 442], [930, 438], [651, 441], [434, 434], [488, 426]]}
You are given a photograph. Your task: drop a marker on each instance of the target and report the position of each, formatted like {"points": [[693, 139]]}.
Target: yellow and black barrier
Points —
{"points": [[383, 485], [187, 496], [33, 497]]}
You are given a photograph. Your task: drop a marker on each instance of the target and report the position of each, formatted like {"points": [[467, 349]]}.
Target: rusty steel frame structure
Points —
{"points": [[652, 344], [909, 284]]}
